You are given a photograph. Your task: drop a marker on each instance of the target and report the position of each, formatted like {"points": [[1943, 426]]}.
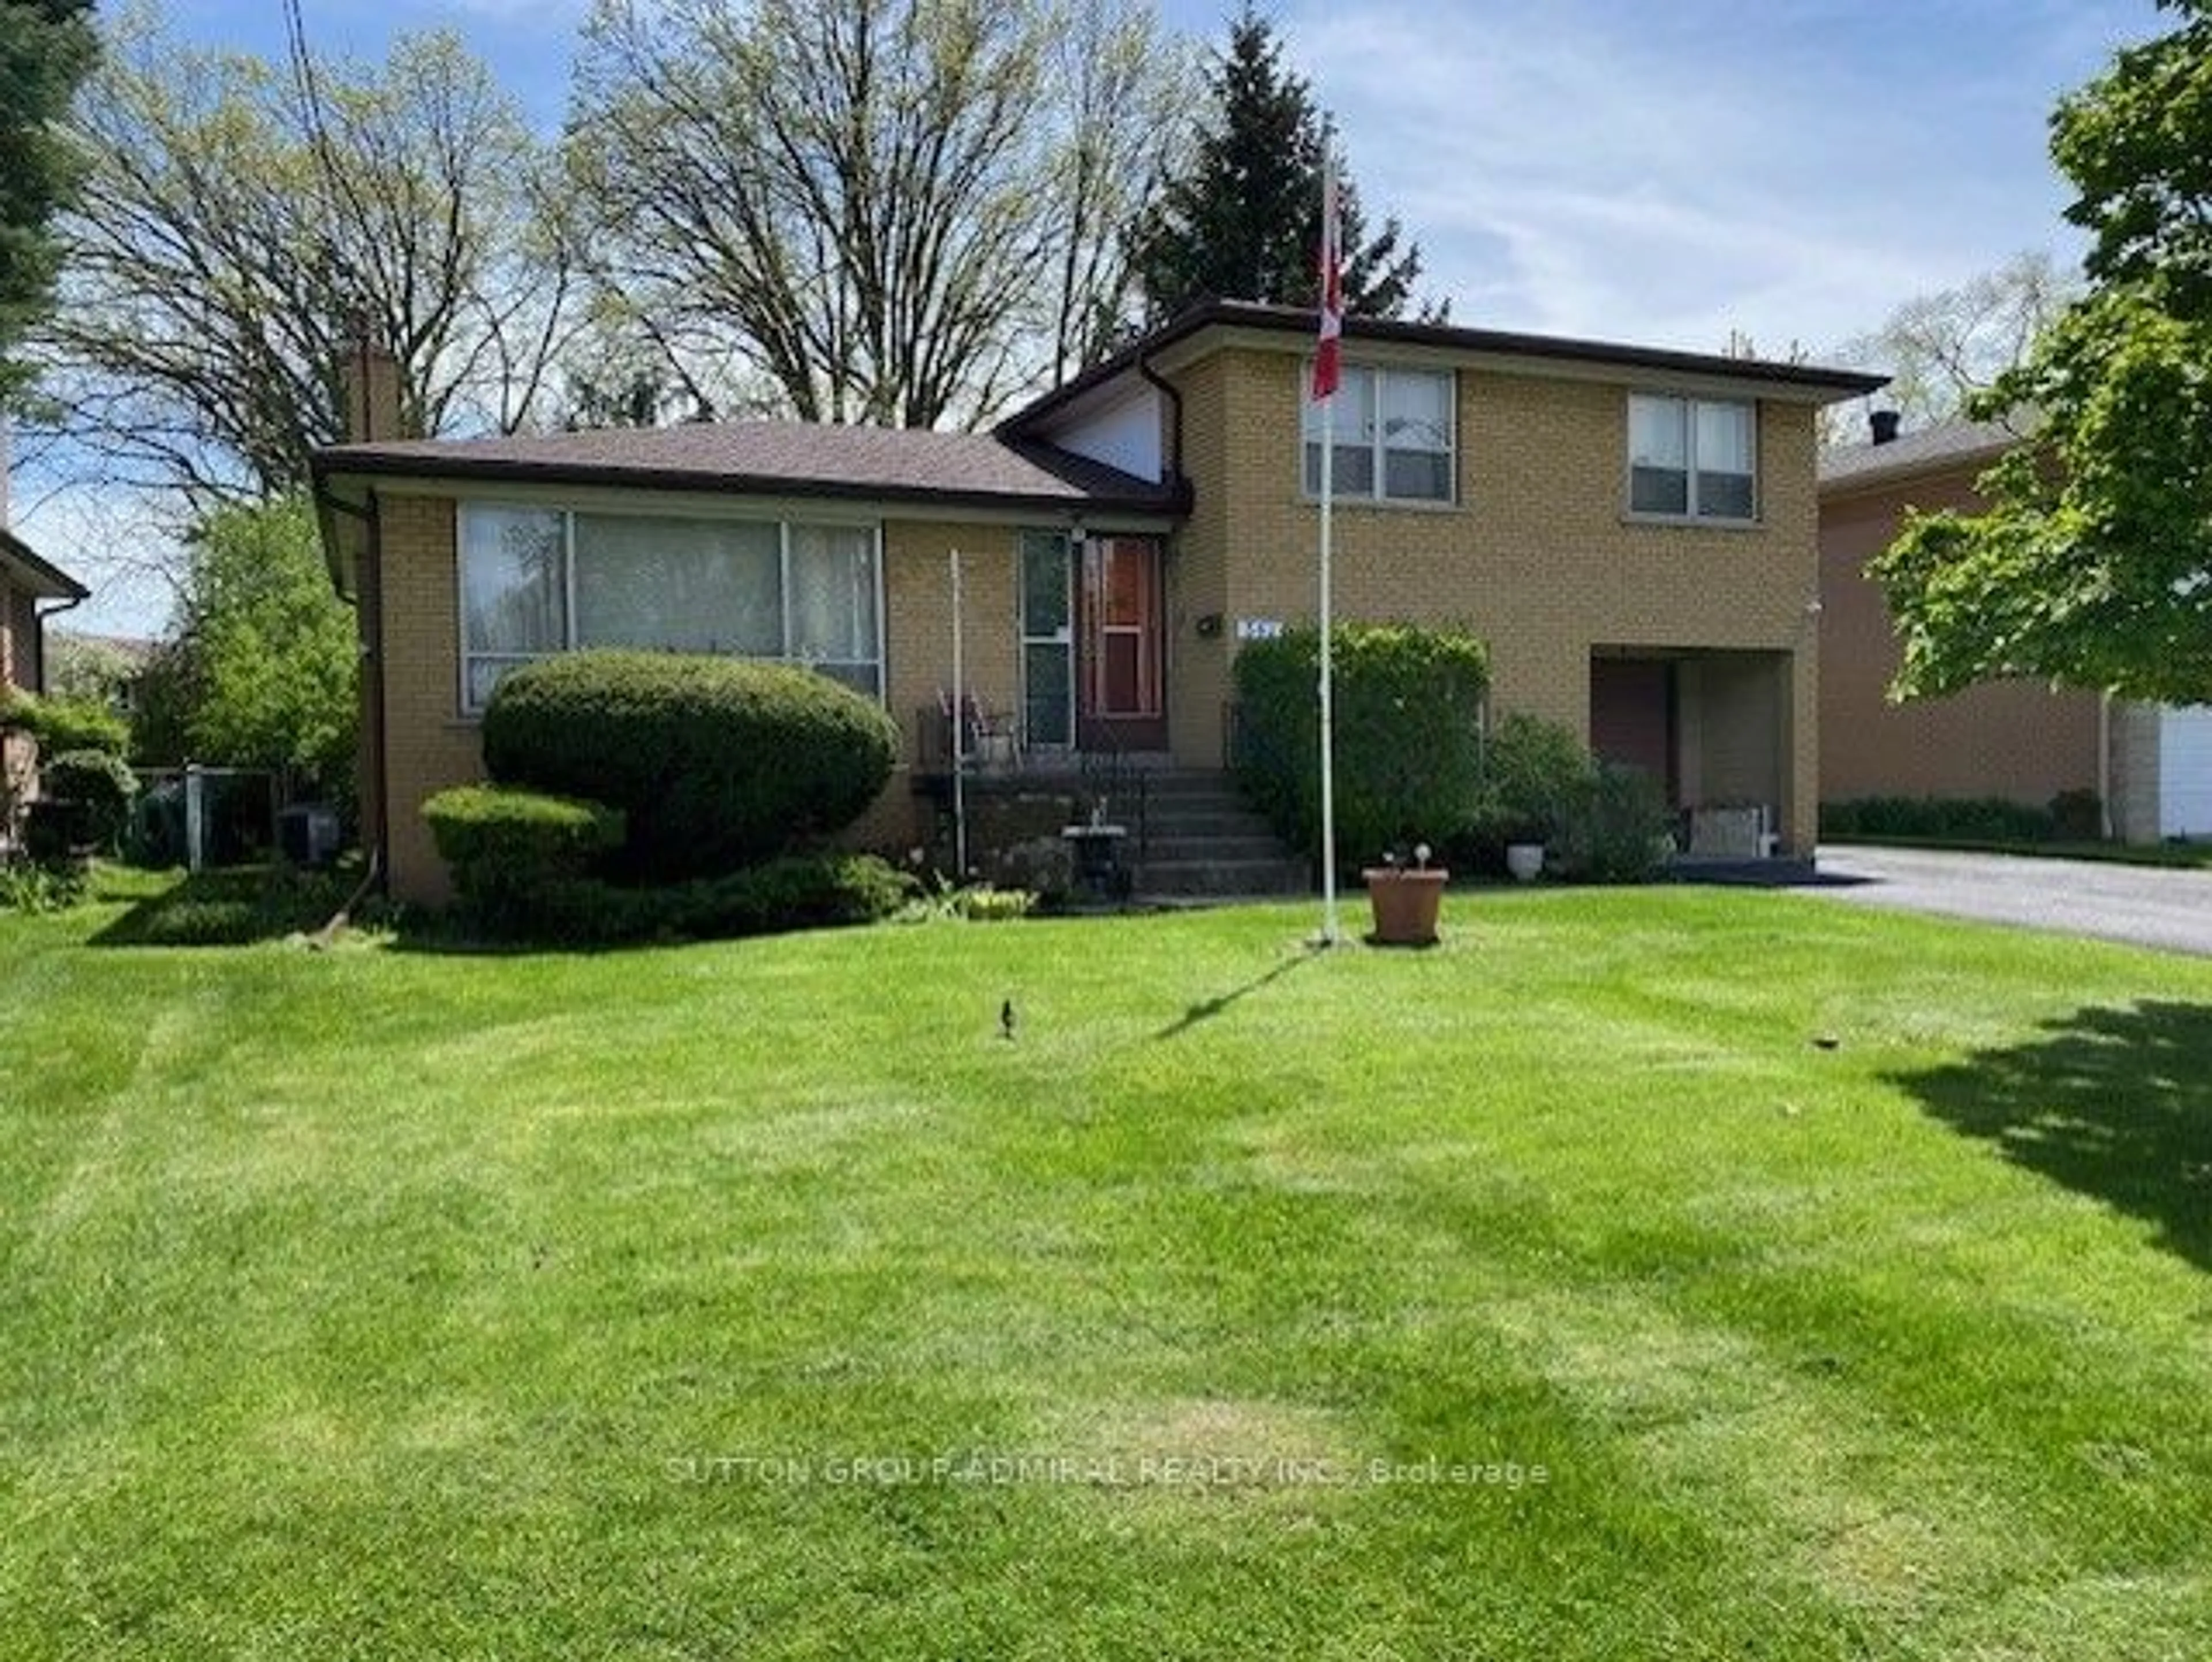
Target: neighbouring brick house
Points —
{"points": [[1631, 530], [2019, 740], [25, 581]]}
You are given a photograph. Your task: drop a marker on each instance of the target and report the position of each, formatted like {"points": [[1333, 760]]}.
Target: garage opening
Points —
{"points": [[1712, 728]]}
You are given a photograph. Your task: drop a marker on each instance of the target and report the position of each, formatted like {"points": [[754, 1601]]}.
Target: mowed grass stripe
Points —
{"points": [[387, 1301]]}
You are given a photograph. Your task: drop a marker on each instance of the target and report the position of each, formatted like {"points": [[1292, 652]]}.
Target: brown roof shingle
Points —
{"points": [[790, 457], [1295, 321], [1952, 444]]}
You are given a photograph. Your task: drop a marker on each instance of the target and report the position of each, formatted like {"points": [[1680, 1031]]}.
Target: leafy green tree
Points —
{"points": [[2092, 565], [1243, 222], [266, 663], [162, 706], [46, 48]]}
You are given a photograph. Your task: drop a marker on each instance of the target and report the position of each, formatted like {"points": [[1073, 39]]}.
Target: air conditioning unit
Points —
{"points": [[1730, 834], [307, 833]]}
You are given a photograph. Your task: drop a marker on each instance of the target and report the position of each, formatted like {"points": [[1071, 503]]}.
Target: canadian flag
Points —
{"points": [[1328, 355]]}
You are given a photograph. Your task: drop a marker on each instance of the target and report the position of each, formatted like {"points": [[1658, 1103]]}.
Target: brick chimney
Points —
{"points": [[371, 376], [1884, 423]]}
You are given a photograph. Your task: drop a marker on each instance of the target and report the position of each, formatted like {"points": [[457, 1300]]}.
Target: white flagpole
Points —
{"points": [[1330, 934], [959, 740]]}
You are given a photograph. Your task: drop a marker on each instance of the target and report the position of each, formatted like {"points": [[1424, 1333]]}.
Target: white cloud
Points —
{"points": [[1793, 170]]}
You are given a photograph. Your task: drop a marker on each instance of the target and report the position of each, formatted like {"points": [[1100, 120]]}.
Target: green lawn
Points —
{"points": [[1676, 1274]]}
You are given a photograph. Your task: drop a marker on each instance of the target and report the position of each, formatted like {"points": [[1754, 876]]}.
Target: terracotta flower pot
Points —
{"points": [[1405, 902]]}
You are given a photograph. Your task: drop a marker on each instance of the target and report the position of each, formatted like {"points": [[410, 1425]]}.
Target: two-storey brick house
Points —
{"points": [[1632, 530]]}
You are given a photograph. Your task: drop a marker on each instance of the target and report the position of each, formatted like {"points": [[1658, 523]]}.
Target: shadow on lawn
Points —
{"points": [[2112, 1103], [1206, 1008], [236, 906]]}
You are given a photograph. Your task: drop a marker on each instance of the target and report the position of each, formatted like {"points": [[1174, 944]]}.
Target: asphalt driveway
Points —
{"points": [[2146, 905]]}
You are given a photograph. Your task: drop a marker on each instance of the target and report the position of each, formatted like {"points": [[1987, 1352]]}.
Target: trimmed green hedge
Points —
{"points": [[524, 863], [792, 892], [508, 848], [1619, 829], [61, 724], [718, 763], [1959, 819], [1408, 717]]}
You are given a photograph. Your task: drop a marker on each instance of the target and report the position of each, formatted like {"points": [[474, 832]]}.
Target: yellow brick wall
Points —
{"points": [[918, 617], [1197, 667], [427, 743], [918, 646], [1537, 557]]}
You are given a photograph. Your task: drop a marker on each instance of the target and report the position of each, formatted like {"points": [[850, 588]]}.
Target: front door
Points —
{"points": [[1121, 638], [1049, 677]]}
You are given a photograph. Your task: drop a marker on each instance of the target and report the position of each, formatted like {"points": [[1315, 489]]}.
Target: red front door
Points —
{"points": [[1118, 671]]}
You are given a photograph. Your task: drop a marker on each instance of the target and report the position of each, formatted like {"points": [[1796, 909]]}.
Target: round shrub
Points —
{"points": [[718, 763], [99, 783], [1535, 773]]}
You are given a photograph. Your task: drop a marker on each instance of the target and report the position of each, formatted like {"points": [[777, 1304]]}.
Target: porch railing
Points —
{"points": [[1098, 773]]}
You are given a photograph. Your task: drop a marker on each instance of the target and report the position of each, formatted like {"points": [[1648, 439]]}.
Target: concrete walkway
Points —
{"points": [[2145, 905]]}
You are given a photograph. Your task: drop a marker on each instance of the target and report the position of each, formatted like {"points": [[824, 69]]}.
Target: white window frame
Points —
{"points": [[784, 523], [1688, 404], [1378, 446]]}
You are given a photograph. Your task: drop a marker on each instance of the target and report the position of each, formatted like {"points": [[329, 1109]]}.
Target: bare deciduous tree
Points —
{"points": [[902, 212], [1942, 349], [1121, 94], [240, 220]]}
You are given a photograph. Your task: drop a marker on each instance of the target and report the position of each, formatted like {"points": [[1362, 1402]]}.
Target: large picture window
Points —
{"points": [[1693, 458], [514, 593], [535, 581], [1392, 436]]}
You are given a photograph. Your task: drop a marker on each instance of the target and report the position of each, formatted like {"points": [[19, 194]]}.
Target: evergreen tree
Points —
{"points": [[1245, 222], [45, 48]]}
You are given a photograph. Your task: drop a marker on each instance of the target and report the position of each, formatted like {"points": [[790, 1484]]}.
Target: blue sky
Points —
{"points": [[1792, 169]]}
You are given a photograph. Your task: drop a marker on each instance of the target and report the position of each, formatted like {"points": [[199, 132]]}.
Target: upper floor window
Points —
{"points": [[536, 582], [1393, 437], [1693, 458]]}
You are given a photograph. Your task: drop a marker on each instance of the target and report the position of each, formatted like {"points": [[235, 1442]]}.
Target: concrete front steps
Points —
{"points": [[1201, 840]]}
